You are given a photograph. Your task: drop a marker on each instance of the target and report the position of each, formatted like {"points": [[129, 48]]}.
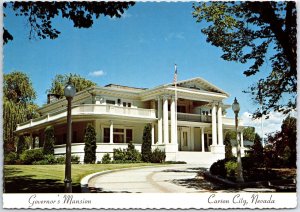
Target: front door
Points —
{"points": [[184, 138]]}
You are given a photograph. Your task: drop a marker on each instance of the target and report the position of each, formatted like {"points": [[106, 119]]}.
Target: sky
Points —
{"points": [[139, 49]]}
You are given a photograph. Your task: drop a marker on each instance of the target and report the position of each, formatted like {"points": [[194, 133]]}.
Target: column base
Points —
{"points": [[217, 149]]}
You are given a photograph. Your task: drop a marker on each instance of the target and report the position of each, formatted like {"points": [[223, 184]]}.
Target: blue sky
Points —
{"points": [[140, 49]]}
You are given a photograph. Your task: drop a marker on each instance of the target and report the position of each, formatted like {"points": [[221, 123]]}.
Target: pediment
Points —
{"points": [[200, 84]]}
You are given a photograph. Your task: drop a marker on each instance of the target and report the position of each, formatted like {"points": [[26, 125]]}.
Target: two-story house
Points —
{"points": [[192, 132]]}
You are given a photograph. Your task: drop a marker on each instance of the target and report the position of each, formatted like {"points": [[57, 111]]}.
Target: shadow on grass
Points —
{"points": [[27, 184]]}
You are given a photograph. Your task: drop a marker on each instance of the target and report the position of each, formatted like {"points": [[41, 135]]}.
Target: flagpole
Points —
{"points": [[175, 81]]}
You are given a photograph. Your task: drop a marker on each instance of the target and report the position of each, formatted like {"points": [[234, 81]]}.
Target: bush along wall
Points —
{"points": [[48, 148], [90, 144], [146, 145]]}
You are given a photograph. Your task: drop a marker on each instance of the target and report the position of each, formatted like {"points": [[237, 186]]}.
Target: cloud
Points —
{"points": [[173, 35], [270, 125], [97, 73]]}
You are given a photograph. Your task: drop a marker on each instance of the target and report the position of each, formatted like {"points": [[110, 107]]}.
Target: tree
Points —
{"points": [[146, 145], [48, 148], [18, 105], [21, 145], [228, 146], [257, 32], [90, 144], [17, 88], [257, 150], [287, 137], [60, 81], [40, 15], [249, 133]]}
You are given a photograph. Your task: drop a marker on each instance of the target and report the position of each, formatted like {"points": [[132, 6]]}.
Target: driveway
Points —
{"points": [[179, 178]]}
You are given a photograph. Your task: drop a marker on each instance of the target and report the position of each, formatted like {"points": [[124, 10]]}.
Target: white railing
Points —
{"points": [[91, 109], [193, 117]]}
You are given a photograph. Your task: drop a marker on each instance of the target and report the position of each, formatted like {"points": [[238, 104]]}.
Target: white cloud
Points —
{"points": [[270, 125], [173, 35], [97, 73]]}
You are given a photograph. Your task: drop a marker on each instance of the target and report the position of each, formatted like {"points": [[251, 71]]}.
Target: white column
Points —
{"points": [[192, 139], [111, 132], [220, 125], [152, 133], [159, 122], [214, 125], [173, 122], [165, 120], [202, 139], [242, 139]]}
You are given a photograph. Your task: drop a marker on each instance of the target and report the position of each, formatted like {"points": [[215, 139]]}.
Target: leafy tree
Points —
{"points": [[249, 133], [60, 81], [90, 144], [146, 145], [18, 105], [228, 147], [40, 15], [17, 88], [257, 32], [48, 148], [287, 137]]}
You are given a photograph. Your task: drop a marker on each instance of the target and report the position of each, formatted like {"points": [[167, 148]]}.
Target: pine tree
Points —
{"points": [[48, 148], [146, 145], [90, 144]]}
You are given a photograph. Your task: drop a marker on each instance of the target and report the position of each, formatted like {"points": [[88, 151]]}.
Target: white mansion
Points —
{"points": [[193, 133]]}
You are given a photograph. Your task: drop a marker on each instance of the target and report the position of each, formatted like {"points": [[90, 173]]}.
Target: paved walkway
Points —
{"points": [[181, 178]]}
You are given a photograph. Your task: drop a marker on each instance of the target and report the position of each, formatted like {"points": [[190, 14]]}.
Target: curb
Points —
{"points": [[231, 184], [84, 183]]}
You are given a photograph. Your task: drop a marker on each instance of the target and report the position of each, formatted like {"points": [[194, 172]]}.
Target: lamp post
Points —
{"points": [[69, 93], [236, 109]]}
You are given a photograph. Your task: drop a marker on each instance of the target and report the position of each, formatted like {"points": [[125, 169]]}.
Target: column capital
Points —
{"points": [[166, 97]]}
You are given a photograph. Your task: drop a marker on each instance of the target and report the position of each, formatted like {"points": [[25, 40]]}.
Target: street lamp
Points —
{"points": [[236, 110], [69, 93]]}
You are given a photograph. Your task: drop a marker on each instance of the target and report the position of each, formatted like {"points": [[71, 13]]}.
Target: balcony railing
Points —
{"points": [[193, 117], [91, 109]]}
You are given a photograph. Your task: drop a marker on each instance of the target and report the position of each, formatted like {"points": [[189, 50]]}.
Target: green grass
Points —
{"points": [[50, 178]]}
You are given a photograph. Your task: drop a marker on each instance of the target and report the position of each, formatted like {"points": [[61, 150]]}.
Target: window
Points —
{"points": [[124, 104], [129, 104], [74, 137], [106, 135], [118, 135], [110, 102], [181, 109], [128, 135]]}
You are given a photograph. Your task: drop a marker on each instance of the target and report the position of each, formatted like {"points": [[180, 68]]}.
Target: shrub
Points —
{"points": [[146, 145], [21, 146], [106, 158], [228, 146], [218, 168], [10, 158], [158, 156], [90, 144], [231, 167], [31, 155], [132, 154], [119, 154], [48, 148], [75, 159], [60, 159]]}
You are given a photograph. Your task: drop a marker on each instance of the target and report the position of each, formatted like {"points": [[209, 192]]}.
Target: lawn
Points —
{"points": [[50, 178]]}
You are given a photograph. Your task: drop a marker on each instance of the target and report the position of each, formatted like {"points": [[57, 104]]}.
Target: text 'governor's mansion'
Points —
{"points": [[193, 131]]}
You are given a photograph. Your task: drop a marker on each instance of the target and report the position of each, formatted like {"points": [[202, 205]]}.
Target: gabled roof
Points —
{"points": [[198, 83]]}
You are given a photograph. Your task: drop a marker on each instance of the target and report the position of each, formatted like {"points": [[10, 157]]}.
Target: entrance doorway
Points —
{"points": [[184, 139]]}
